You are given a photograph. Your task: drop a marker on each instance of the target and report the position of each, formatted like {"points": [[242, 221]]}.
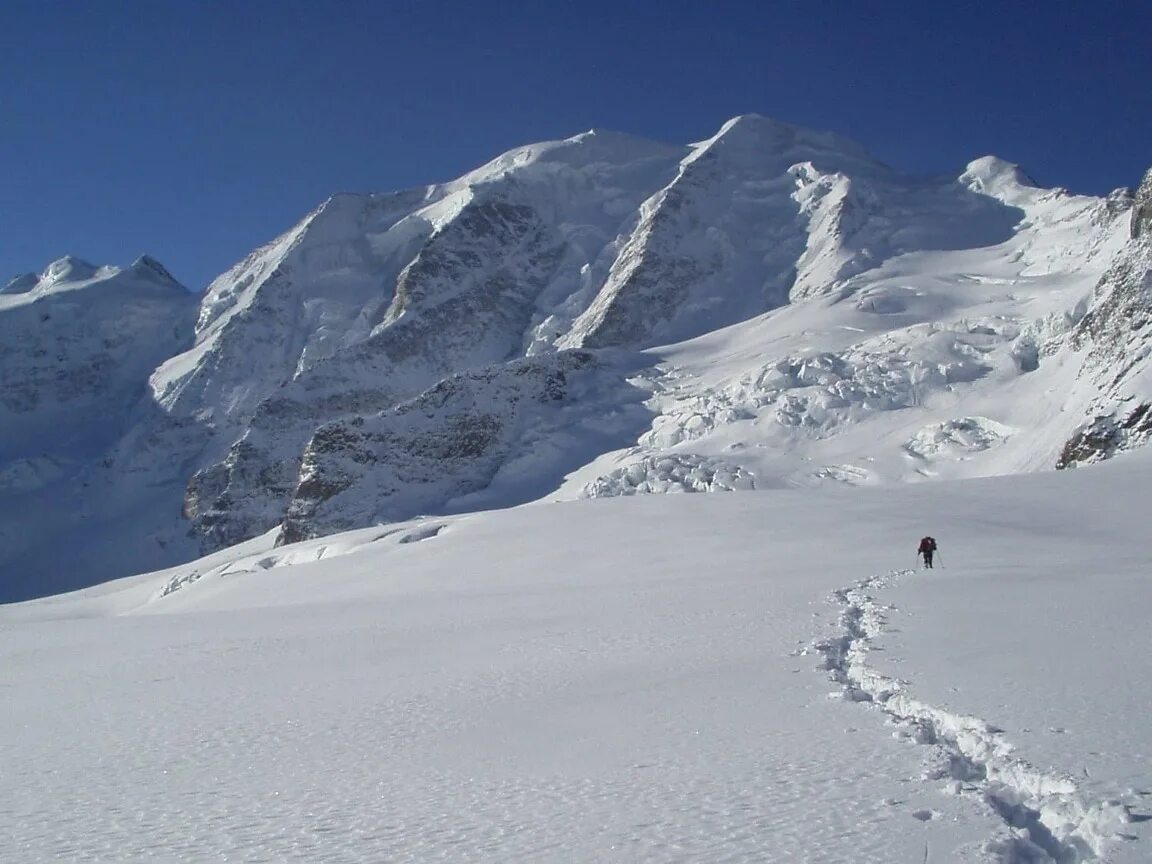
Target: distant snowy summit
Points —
{"points": [[77, 345], [71, 272], [770, 306], [77, 334]]}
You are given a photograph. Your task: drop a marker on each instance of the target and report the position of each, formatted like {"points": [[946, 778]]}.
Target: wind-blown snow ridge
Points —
{"points": [[1047, 816]]}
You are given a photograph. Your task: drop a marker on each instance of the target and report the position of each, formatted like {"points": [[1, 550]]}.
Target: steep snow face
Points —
{"points": [[290, 304], [765, 212], [360, 262], [717, 244], [856, 223], [481, 271]]}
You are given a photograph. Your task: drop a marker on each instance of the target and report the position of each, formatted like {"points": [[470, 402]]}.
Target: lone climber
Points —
{"points": [[927, 549]]}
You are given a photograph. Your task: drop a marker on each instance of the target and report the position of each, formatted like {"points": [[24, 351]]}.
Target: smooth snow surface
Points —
{"points": [[760, 676]]}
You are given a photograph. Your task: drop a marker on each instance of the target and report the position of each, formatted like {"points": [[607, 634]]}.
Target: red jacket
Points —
{"points": [[927, 545]]}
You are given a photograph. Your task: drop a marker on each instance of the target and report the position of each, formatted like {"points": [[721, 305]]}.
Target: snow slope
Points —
{"points": [[760, 676]]}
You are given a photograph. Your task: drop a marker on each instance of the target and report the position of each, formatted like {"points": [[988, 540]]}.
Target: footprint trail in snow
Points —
{"points": [[1047, 817]]}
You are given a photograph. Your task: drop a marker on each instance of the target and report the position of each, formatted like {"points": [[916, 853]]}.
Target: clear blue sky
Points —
{"points": [[195, 131]]}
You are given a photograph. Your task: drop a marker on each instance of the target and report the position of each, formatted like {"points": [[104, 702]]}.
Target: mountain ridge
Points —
{"points": [[877, 316]]}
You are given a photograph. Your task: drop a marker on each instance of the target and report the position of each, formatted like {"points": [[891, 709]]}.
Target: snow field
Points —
{"points": [[630, 679]]}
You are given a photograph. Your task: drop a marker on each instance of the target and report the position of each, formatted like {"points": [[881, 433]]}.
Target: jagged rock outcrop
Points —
{"points": [[1106, 436], [448, 442], [1116, 335], [1142, 208]]}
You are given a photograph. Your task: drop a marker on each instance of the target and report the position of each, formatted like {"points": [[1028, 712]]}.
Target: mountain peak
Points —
{"points": [[756, 128], [71, 273], [996, 177], [596, 146], [67, 269], [759, 136], [148, 266]]}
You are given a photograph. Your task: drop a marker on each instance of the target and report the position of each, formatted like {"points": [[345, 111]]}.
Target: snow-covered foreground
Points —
{"points": [[760, 676]]}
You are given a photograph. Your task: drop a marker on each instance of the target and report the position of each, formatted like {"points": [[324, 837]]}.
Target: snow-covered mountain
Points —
{"points": [[77, 346], [596, 316]]}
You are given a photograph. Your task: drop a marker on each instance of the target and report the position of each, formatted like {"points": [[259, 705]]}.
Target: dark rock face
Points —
{"points": [[1142, 208], [412, 459], [1121, 309], [241, 496], [1117, 334], [1103, 437]]}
